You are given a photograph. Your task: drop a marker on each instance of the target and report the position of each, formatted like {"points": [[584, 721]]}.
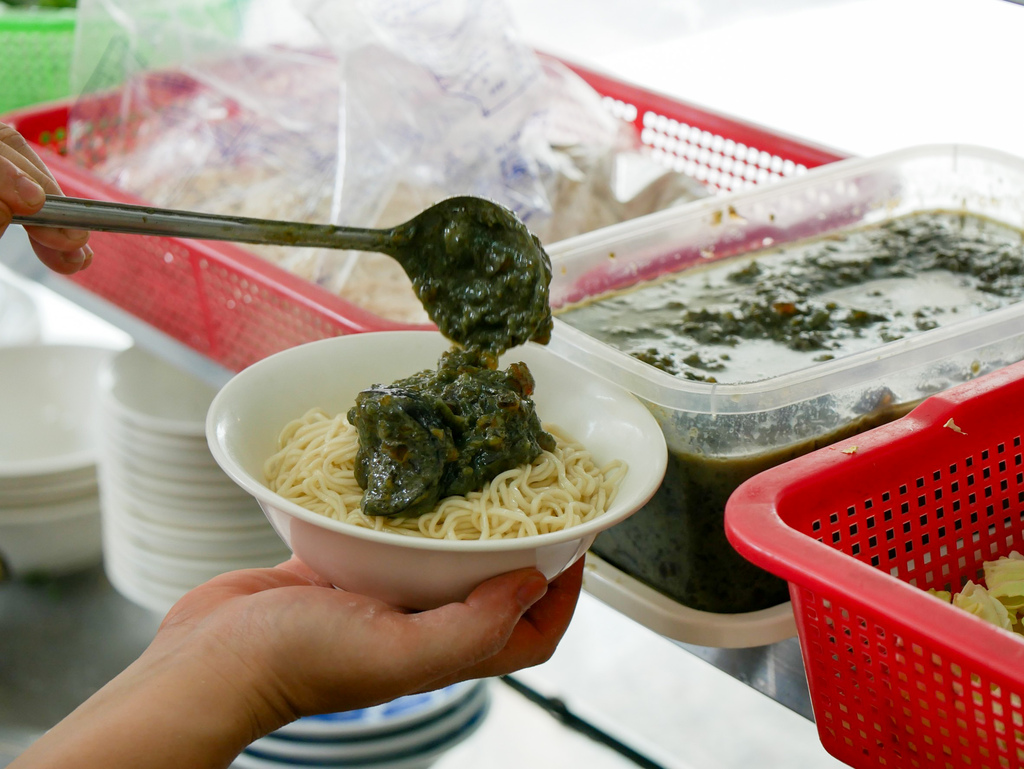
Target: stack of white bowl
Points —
{"points": [[171, 518], [20, 323], [408, 733], [49, 507]]}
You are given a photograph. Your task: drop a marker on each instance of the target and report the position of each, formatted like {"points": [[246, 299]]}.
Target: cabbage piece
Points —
{"points": [[1004, 578], [975, 599], [942, 595]]}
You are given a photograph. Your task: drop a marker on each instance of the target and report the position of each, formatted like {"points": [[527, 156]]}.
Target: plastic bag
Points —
{"points": [[183, 106], [360, 113]]}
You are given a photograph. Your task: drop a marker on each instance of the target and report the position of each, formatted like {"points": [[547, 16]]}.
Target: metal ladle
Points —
{"points": [[481, 275]]}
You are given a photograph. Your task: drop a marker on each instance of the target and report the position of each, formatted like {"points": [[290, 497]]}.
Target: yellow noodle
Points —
{"points": [[314, 467]]}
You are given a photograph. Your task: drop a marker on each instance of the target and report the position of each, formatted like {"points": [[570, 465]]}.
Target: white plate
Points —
{"points": [[139, 463], [219, 491], [41, 482], [247, 516], [75, 507], [177, 447], [153, 395], [189, 542], [196, 457], [402, 713], [48, 494], [178, 570], [389, 744], [420, 759], [147, 492]]}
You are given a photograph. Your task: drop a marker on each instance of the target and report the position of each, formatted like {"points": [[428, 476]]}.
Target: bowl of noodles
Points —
{"points": [[279, 429]]}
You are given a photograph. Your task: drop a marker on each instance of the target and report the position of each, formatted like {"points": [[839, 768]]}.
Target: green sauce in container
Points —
{"points": [[765, 314]]}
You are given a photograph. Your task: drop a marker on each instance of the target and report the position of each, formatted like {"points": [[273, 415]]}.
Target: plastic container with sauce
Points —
{"points": [[670, 566]]}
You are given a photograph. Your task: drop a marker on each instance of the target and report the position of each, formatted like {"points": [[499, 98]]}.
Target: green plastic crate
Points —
{"points": [[35, 55]]}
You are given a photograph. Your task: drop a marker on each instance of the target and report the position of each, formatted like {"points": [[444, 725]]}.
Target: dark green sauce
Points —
{"points": [[444, 432], [753, 317], [677, 544], [756, 316], [482, 276], [484, 279]]}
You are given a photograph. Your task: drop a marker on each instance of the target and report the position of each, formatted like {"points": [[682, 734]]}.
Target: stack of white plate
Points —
{"points": [[409, 733], [171, 518], [20, 323], [49, 508]]}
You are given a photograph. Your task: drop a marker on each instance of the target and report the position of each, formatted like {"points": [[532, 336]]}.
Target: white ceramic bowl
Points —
{"points": [[66, 507], [188, 570], [219, 491], [173, 448], [42, 489], [48, 408], [151, 394], [183, 497], [249, 412], [52, 540], [194, 516], [156, 597], [194, 542], [20, 323], [138, 463]]}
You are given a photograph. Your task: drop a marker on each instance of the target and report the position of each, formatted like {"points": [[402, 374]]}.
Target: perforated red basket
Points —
{"points": [[860, 530], [236, 308]]}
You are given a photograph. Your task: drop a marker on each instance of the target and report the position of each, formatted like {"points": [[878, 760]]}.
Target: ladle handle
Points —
{"points": [[103, 216]]}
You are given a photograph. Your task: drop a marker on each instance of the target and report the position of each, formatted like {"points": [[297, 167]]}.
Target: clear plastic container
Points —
{"points": [[720, 434]]}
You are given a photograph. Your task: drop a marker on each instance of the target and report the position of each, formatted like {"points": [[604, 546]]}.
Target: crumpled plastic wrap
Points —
{"points": [[359, 113]]}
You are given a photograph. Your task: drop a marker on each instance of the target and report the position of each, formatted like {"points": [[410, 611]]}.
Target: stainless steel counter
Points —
{"points": [[61, 639]]}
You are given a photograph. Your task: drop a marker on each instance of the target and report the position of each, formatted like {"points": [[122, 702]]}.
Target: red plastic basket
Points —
{"points": [[236, 308], [860, 529]]}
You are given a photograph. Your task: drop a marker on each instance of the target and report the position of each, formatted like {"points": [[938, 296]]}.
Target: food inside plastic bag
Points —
{"points": [[363, 114]]}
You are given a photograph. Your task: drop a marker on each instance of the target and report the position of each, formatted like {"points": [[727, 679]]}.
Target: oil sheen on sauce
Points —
{"points": [[772, 312]]}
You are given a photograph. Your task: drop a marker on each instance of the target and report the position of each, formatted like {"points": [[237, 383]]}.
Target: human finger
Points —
{"points": [[20, 193], [58, 238], [487, 618], [24, 183], [535, 636], [327, 649], [295, 566], [16, 149], [404, 652], [63, 250], [63, 262]]}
